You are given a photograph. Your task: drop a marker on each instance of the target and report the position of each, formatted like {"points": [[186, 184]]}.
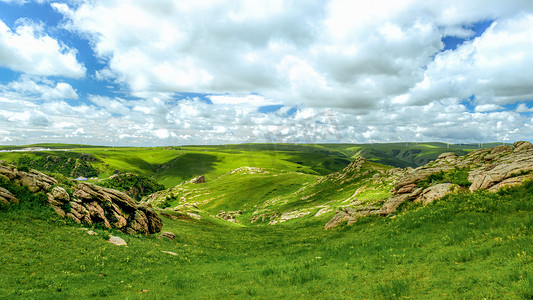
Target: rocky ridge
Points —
{"points": [[487, 169], [87, 204]]}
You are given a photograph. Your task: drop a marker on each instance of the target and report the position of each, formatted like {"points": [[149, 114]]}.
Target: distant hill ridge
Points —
{"points": [[361, 189]]}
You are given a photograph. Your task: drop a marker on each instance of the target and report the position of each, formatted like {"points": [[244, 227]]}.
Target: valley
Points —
{"points": [[273, 221]]}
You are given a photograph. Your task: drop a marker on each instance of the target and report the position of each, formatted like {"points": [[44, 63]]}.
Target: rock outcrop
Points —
{"points": [[167, 235], [522, 145], [435, 192], [6, 197], [229, 216], [488, 169], [516, 163], [118, 241], [350, 215], [34, 180], [113, 209], [88, 203], [197, 180]]}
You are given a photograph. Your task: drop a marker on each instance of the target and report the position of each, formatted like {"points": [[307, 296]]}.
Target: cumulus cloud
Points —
{"points": [[20, 2], [27, 87], [114, 106], [488, 107], [493, 67], [523, 108], [340, 70], [319, 53], [30, 50], [248, 101]]}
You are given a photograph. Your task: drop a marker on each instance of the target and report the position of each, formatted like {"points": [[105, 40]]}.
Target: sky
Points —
{"points": [[176, 72]]}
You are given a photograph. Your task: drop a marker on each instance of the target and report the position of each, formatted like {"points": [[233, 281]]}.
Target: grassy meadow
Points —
{"points": [[464, 246], [172, 165]]}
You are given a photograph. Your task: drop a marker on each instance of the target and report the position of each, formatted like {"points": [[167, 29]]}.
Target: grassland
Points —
{"points": [[466, 245], [172, 165], [264, 195], [475, 246]]}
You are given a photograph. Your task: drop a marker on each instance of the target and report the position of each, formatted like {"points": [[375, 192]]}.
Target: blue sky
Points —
{"points": [[179, 72]]}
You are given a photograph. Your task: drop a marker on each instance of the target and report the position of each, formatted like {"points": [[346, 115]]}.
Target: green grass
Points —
{"points": [[456, 176], [268, 193], [477, 245], [172, 165]]}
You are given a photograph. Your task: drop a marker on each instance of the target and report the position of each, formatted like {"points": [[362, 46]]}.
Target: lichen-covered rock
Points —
{"points": [[350, 215], [88, 192], [113, 209], [118, 241], [435, 192], [8, 172], [155, 223], [340, 217], [80, 214], [34, 180], [6, 197], [522, 145], [229, 216], [448, 156], [197, 180], [489, 169], [292, 215], [516, 163], [509, 182], [419, 174], [58, 196], [167, 235], [392, 204], [407, 189]]}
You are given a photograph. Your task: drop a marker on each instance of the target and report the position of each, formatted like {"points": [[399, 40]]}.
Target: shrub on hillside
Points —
{"points": [[135, 186], [27, 199], [457, 176], [68, 166]]}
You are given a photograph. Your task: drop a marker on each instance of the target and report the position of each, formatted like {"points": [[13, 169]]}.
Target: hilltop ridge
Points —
{"points": [[362, 188]]}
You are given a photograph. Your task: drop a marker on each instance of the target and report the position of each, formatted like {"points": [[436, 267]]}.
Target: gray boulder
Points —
{"points": [[435, 192]]}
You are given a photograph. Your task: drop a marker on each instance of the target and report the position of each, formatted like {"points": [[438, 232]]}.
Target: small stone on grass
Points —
{"points": [[115, 240]]}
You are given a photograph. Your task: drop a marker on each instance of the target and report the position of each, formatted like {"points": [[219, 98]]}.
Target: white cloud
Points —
{"points": [[357, 71], [523, 108], [20, 2], [319, 53], [30, 118], [494, 67], [30, 50], [193, 121], [488, 107], [248, 101], [27, 87], [114, 106]]}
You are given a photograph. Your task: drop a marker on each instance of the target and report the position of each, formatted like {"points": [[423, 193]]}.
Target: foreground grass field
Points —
{"points": [[466, 246]]}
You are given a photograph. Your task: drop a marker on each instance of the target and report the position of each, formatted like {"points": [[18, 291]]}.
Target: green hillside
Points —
{"points": [[471, 246], [255, 227], [172, 165], [263, 195]]}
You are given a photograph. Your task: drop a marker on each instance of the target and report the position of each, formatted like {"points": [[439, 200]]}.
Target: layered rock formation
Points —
{"points": [[229, 215], [34, 180], [88, 203], [113, 209], [487, 169], [6, 197]]}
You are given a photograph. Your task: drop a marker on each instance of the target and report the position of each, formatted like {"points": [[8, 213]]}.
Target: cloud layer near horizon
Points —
{"points": [[355, 72]]}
